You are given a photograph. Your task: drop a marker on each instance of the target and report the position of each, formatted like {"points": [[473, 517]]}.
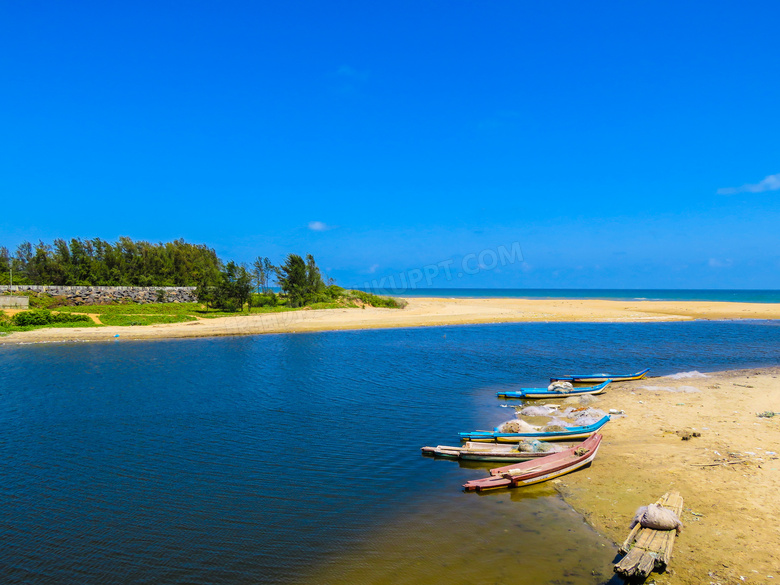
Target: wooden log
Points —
{"points": [[651, 548], [646, 564], [624, 548], [667, 554], [628, 564]]}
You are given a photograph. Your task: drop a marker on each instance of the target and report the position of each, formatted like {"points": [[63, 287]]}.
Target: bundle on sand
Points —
{"points": [[653, 531], [516, 426], [560, 387], [657, 517]]}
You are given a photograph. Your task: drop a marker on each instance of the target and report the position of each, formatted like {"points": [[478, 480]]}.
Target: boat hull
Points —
{"points": [[491, 452], [538, 393], [541, 470], [571, 434], [597, 378]]}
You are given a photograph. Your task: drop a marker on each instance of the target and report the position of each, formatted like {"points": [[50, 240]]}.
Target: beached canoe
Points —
{"points": [[533, 393], [596, 378], [538, 470], [489, 452], [567, 434]]}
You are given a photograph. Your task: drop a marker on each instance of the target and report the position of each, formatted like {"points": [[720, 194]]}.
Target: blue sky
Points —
{"points": [[623, 145]]}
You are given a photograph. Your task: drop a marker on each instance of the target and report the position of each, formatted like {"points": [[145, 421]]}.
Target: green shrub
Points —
{"points": [[46, 317], [269, 299], [378, 301], [230, 306]]}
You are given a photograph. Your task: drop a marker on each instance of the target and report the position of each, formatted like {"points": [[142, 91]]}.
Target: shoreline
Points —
{"points": [[421, 312], [729, 476]]}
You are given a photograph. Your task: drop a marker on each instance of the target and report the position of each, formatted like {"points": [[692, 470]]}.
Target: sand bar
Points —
{"points": [[729, 477], [420, 312]]}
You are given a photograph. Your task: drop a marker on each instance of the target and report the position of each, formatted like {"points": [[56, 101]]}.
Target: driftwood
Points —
{"points": [[652, 549]]}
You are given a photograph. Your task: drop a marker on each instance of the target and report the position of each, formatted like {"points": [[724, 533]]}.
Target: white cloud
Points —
{"points": [[771, 183], [718, 263], [373, 268], [319, 226]]}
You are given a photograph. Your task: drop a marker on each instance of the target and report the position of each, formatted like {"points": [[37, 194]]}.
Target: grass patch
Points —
{"points": [[132, 320], [180, 309], [133, 309]]}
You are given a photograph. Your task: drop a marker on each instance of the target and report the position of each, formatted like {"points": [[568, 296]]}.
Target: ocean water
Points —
{"points": [[294, 459], [740, 296]]}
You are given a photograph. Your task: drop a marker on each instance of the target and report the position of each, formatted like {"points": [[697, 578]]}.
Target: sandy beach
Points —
{"points": [[421, 312], [729, 476]]}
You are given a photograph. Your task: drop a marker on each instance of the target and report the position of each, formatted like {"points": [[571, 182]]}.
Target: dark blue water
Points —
{"points": [[295, 458], [736, 296]]}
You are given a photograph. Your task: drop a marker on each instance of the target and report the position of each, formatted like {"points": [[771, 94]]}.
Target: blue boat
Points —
{"points": [[596, 378], [529, 393], [568, 434]]}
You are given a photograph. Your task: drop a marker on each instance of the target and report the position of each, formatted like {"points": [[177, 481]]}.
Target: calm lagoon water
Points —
{"points": [[284, 459]]}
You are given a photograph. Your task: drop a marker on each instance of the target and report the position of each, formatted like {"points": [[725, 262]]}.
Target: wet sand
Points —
{"points": [[729, 477], [421, 312]]}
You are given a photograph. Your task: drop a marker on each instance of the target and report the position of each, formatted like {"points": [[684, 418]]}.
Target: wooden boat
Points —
{"points": [[487, 452], [529, 393], [596, 378], [568, 434], [538, 470], [652, 549]]}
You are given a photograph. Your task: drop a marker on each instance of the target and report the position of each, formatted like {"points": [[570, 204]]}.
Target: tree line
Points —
{"points": [[97, 262], [227, 286]]}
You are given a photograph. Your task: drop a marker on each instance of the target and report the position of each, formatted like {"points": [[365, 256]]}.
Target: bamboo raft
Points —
{"points": [[652, 549]]}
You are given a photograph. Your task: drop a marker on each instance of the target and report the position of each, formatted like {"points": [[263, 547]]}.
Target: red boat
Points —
{"points": [[539, 470]]}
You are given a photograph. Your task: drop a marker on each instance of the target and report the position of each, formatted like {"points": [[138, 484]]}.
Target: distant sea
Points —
{"points": [[628, 294]]}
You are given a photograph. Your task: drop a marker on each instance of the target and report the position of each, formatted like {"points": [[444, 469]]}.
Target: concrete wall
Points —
{"points": [[7, 302], [93, 295]]}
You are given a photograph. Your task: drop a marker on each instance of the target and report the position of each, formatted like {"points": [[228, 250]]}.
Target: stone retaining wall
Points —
{"points": [[7, 302], [95, 295]]}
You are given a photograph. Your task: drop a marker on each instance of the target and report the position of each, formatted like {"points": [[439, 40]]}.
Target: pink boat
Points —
{"points": [[539, 470]]}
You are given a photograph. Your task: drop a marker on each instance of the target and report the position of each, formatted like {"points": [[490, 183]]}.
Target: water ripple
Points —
{"points": [[295, 458]]}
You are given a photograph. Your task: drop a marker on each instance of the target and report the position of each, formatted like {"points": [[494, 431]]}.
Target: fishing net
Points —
{"points": [[657, 517], [585, 399], [536, 447], [556, 425], [553, 428], [537, 410], [516, 426], [560, 387], [588, 417]]}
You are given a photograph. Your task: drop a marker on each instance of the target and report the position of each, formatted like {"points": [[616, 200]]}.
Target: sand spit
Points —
{"points": [[729, 476], [421, 312]]}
